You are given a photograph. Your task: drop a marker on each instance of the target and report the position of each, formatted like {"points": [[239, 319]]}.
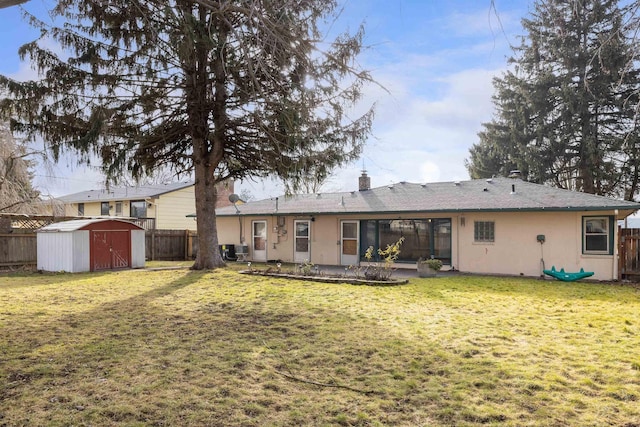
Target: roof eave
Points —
{"points": [[125, 197], [422, 211]]}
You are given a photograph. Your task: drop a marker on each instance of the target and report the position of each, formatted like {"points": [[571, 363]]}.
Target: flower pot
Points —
{"points": [[425, 271]]}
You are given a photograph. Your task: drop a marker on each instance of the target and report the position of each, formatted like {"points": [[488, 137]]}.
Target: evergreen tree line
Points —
{"points": [[567, 110]]}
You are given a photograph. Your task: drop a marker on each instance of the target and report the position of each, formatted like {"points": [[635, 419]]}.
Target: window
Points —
{"points": [[442, 239], [104, 208], [597, 236], [423, 238], [118, 208], [138, 209], [80, 209], [484, 231]]}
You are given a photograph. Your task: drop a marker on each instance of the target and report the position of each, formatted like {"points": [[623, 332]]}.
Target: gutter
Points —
{"points": [[463, 210]]}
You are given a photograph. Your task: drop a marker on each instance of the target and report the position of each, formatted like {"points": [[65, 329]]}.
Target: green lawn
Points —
{"points": [[177, 348]]}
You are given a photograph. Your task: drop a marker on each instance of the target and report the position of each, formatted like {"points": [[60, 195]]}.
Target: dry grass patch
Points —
{"points": [[179, 347]]}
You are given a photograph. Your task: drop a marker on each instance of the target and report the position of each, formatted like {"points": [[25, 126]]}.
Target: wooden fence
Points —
{"points": [[17, 249], [171, 245], [20, 249], [629, 250]]}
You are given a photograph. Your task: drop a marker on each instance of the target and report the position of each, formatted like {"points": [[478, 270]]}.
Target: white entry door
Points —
{"points": [[349, 243], [259, 241], [302, 251]]}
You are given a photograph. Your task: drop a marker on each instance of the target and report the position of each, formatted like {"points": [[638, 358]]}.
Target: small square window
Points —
{"points": [[484, 231], [104, 208]]}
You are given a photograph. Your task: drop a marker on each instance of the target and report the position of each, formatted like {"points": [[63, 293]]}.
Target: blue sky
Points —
{"points": [[436, 58]]}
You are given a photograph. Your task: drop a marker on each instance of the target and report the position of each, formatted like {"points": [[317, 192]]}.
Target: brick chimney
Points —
{"points": [[224, 190], [364, 182]]}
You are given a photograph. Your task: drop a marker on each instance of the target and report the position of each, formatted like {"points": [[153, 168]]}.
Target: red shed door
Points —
{"points": [[120, 249], [110, 249]]}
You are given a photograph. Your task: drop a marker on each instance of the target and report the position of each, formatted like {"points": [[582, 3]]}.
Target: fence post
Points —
{"points": [[153, 245], [192, 237], [186, 245]]}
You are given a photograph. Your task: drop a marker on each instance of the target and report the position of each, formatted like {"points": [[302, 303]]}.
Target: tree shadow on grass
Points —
{"points": [[531, 287], [34, 279], [239, 356]]}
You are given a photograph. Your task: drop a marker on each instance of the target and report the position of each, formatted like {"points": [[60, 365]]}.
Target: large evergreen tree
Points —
{"points": [[221, 88], [565, 111]]}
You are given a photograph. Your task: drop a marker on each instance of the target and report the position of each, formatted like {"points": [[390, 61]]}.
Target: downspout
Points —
{"points": [[616, 254], [458, 221]]}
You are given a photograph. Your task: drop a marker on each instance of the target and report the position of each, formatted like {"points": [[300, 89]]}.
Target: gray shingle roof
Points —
{"points": [[124, 193], [460, 196]]}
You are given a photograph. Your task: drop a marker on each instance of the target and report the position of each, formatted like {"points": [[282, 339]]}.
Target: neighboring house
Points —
{"points": [[162, 206], [494, 226]]}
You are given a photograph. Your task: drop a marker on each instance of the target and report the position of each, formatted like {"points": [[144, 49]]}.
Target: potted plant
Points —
{"points": [[429, 267]]}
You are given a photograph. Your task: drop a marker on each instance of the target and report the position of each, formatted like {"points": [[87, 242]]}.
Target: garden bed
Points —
{"points": [[327, 278]]}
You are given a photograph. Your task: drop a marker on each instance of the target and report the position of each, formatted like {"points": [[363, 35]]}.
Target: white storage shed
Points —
{"points": [[90, 245]]}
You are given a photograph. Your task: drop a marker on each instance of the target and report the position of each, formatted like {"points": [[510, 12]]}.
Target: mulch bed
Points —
{"points": [[327, 279]]}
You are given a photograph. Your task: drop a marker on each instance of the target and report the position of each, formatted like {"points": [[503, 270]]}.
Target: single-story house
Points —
{"points": [[493, 226], [162, 206]]}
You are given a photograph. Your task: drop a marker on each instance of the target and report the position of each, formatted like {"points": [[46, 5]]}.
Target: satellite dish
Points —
{"points": [[233, 198]]}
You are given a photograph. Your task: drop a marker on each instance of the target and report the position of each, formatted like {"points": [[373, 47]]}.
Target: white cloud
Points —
{"points": [[412, 130], [438, 75]]}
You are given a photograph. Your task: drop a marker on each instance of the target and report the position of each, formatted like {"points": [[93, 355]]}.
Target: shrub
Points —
{"points": [[434, 264], [307, 268], [388, 256]]}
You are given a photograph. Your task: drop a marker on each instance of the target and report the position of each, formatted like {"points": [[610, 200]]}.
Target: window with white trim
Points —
{"points": [[484, 231], [138, 209], [596, 235]]}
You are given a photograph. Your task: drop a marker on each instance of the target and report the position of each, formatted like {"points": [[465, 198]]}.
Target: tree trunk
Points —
{"points": [[209, 256], [205, 158]]}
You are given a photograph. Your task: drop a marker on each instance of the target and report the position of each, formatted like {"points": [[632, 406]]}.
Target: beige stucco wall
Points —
{"points": [[324, 235], [515, 250]]}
